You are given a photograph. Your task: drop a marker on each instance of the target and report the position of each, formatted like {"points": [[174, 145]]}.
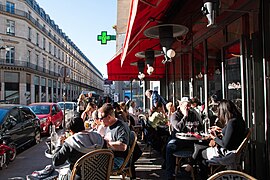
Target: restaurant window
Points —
{"points": [[10, 7], [234, 30], [215, 44], [12, 87], [10, 27], [36, 83], [43, 89], [198, 71], [28, 89], [10, 55], [233, 84]]}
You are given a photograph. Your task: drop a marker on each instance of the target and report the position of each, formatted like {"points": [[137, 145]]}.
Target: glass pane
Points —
{"points": [[233, 74]]}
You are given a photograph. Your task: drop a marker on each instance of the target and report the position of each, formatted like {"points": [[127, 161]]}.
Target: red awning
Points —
{"points": [[143, 14]]}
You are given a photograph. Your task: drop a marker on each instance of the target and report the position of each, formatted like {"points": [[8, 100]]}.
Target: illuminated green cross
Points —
{"points": [[104, 37]]}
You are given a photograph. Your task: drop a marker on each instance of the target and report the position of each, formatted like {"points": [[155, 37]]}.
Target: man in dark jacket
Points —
{"points": [[181, 120], [75, 146]]}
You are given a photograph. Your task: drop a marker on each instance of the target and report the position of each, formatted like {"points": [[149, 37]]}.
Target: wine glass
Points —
{"points": [[189, 126], [195, 125]]}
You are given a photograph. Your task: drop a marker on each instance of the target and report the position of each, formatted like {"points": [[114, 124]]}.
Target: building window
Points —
{"points": [[50, 47], [44, 64], [10, 27], [58, 55], [29, 33], [10, 7], [11, 87], [37, 39], [50, 65], [10, 55], [37, 61], [44, 43], [54, 51], [28, 58]]}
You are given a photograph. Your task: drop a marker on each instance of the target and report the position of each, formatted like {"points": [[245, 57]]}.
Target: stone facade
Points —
{"points": [[33, 46]]}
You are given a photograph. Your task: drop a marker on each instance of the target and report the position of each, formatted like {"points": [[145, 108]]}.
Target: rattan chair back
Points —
{"points": [[125, 169], [96, 164], [231, 174]]}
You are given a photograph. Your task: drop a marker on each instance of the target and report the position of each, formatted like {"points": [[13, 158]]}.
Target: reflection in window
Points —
{"points": [[12, 92], [10, 7], [233, 80], [10, 27], [10, 55]]}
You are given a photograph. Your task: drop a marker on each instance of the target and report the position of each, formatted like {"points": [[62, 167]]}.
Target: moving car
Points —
{"points": [[49, 114], [70, 110], [19, 125]]}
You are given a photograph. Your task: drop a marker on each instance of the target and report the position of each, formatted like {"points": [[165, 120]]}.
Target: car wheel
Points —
{"points": [[37, 136], [12, 153]]}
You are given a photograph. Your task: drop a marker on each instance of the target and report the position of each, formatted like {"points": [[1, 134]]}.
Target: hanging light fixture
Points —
{"points": [[149, 59], [166, 33], [141, 65], [149, 56]]}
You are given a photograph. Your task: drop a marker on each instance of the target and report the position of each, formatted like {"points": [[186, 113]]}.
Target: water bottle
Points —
{"points": [[206, 125], [54, 139]]}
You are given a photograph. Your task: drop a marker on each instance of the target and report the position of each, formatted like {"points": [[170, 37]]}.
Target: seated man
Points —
{"points": [[75, 146], [117, 135], [179, 120]]}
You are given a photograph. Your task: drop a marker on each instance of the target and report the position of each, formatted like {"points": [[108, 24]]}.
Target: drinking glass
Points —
{"points": [[189, 126]]}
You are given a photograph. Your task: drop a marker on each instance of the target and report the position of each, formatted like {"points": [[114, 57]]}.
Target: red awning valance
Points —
{"points": [[143, 14]]}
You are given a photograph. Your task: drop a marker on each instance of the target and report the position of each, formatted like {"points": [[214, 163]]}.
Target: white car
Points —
{"points": [[70, 110]]}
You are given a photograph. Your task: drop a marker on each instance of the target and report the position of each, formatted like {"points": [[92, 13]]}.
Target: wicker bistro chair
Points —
{"points": [[231, 174], [96, 164], [231, 161], [126, 168]]}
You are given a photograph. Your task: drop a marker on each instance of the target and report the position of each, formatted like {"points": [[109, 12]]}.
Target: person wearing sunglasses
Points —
{"points": [[117, 134]]}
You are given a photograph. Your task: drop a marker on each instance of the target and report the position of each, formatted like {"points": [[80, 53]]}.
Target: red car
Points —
{"points": [[49, 114]]}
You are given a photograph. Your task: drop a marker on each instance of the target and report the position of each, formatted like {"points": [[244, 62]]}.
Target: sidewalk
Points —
{"points": [[149, 167]]}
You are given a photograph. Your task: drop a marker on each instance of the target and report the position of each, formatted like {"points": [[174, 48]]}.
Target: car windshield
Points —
{"points": [[41, 109], [3, 113], [69, 106]]}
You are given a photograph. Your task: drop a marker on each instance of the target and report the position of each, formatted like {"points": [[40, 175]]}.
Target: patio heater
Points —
{"points": [[166, 33], [149, 56]]}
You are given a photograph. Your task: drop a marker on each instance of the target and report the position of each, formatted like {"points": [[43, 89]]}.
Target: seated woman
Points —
{"points": [[226, 139]]}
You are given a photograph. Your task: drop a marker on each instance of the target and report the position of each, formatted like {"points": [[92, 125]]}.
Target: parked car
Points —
{"points": [[19, 125], [70, 110], [49, 114]]}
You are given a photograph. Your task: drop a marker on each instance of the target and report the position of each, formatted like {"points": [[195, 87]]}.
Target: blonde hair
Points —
{"points": [[169, 105], [81, 97]]}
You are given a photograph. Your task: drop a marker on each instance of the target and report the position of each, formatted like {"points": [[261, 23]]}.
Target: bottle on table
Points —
{"points": [[54, 139], [206, 125]]}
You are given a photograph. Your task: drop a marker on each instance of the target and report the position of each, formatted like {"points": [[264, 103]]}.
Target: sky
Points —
{"points": [[82, 21]]}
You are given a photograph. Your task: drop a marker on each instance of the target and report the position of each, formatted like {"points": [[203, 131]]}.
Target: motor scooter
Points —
{"points": [[7, 154]]}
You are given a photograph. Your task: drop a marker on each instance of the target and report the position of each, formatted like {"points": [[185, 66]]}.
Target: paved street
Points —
{"points": [[26, 162], [33, 159]]}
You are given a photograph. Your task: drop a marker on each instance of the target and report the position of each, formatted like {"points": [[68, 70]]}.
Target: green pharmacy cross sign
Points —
{"points": [[103, 38]]}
